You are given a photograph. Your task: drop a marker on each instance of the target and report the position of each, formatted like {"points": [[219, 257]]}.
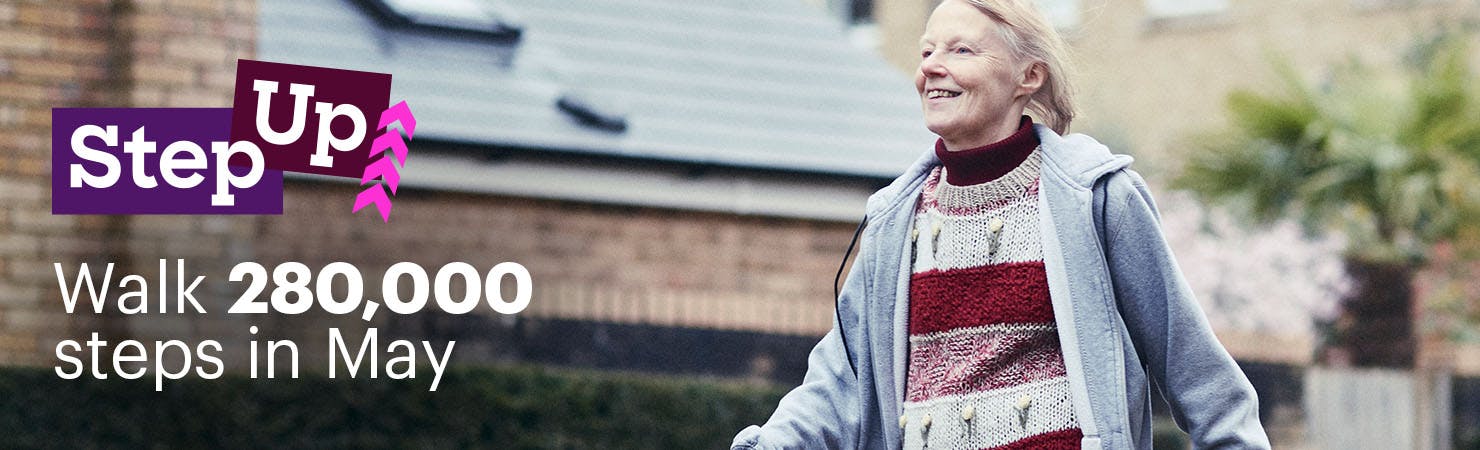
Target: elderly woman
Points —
{"points": [[1013, 288]]}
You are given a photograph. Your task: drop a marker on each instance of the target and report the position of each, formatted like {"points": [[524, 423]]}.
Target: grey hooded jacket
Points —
{"points": [[1125, 318]]}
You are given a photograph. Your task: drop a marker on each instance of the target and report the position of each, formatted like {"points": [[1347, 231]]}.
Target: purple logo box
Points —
{"points": [[290, 135], [163, 127]]}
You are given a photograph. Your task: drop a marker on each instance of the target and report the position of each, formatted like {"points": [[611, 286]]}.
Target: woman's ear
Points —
{"points": [[1033, 78]]}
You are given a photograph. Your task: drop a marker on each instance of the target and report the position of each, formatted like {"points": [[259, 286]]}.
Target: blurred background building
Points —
{"points": [[681, 178]]}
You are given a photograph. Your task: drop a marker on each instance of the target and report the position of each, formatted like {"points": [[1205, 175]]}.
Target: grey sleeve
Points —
{"points": [[820, 413], [1209, 395], [825, 410]]}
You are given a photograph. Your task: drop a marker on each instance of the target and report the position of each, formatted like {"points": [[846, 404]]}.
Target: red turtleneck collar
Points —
{"points": [[992, 161]]}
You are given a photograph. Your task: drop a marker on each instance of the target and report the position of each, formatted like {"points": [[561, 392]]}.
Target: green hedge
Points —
{"points": [[500, 407]]}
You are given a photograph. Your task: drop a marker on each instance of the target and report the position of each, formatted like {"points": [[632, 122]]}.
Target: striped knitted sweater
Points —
{"points": [[986, 370]]}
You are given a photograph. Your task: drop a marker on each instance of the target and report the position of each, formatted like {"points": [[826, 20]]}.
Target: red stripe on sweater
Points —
{"points": [[1000, 293], [1053, 440], [982, 360]]}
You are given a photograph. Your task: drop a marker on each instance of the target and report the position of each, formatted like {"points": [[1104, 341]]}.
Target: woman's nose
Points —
{"points": [[930, 66]]}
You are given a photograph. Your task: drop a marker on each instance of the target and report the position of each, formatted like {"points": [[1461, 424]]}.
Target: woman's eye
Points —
{"points": [[962, 51], [925, 54]]}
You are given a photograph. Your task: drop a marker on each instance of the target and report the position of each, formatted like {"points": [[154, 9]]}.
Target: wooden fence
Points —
{"points": [[1377, 409]]}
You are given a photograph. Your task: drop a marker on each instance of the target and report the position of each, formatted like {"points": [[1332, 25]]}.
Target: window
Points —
{"points": [[1183, 8], [850, 12], [861, 11], [858, 16], [1063, 14]]}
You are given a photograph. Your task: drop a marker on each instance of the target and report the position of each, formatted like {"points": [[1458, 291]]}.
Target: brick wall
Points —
{"points": [[588, 262], [51, 54]]}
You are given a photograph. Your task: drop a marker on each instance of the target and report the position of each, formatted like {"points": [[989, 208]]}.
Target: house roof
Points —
{"points": [[767, 84]]}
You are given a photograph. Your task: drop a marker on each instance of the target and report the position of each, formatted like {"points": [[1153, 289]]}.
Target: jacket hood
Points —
{"points": [[1081, 158]]}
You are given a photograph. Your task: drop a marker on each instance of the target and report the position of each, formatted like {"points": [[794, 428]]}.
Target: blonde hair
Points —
{"points": [[1031, 37]]}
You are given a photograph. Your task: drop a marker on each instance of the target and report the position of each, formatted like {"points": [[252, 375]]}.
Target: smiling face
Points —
{"points": [[972, 88]]}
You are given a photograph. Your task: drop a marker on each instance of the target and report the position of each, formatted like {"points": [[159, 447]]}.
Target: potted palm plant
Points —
{"points": [[1387, 159]]}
